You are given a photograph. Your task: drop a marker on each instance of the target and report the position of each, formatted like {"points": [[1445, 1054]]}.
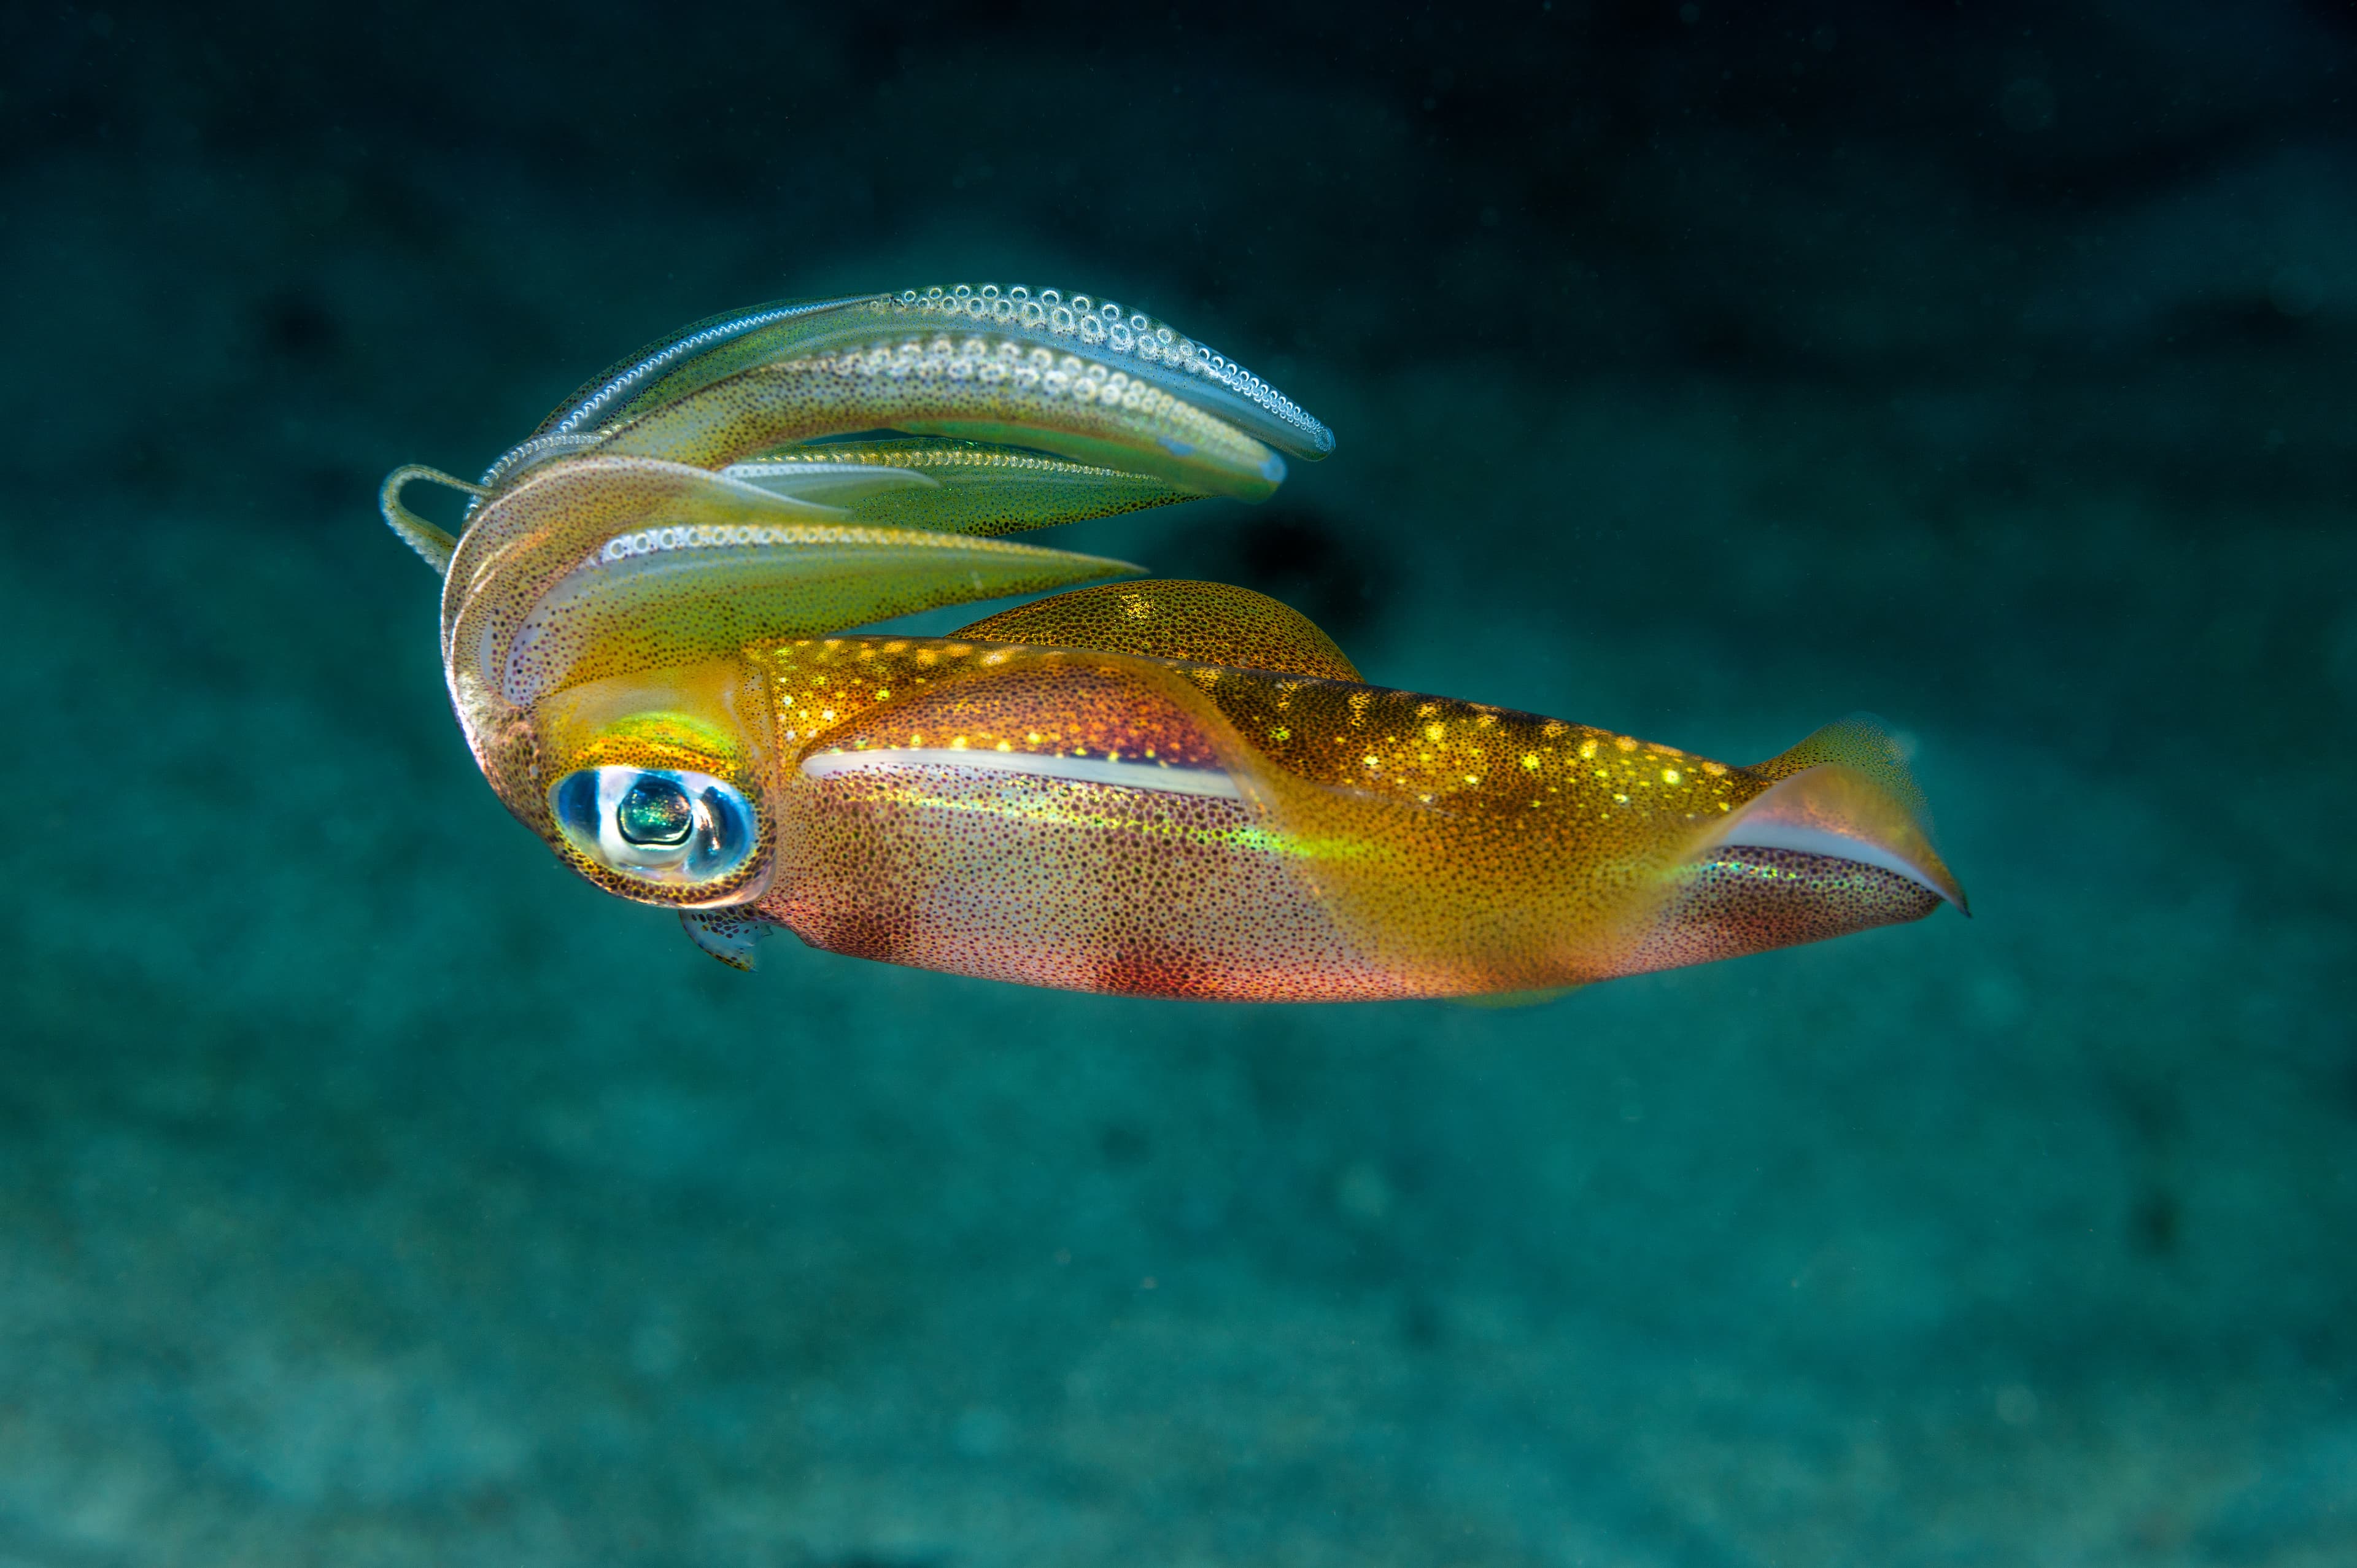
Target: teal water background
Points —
{"points": [[372, 1191]]}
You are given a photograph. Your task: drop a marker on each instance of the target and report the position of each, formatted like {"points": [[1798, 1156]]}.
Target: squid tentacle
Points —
{"points": [[434, 545]]}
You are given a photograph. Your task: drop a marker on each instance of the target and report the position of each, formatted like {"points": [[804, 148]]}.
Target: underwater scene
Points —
{"points": [[1002, 785]]}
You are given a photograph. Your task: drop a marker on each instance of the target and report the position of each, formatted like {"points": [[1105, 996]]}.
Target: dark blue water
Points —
{"points": [[373, 1191]]}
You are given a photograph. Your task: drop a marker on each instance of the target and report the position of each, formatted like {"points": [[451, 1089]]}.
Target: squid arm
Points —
{"points": [[1096, 331], [959, 486], [1119, 395]]}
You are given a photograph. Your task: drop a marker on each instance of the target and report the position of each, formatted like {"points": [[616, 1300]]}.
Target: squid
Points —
{"points": [[649, 629]]}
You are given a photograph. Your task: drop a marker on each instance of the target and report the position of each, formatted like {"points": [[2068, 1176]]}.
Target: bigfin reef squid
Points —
{"points": [[1148, 788]]}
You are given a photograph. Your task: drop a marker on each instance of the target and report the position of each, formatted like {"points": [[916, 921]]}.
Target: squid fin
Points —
{"points": [[727, 935], [1845, 793], [1206, 623], [433, 546]]}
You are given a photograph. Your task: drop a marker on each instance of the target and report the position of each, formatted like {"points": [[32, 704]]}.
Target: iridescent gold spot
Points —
{"points": [[1531, 762], [1672, 776], [1626, 743]]}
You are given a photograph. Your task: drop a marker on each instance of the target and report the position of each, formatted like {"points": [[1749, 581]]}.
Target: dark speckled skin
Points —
{"points": [[1373, 843]]}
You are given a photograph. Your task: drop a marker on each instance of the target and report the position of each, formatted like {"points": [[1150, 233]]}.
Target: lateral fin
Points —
{"points": [[1208, 623], [727, 935], [1845, 793]]}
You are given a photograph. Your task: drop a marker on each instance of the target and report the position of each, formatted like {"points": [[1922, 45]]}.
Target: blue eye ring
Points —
{"points": [[671, 829]]}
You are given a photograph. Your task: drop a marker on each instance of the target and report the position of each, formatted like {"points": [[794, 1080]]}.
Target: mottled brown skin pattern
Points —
{"points": [[1748, 900], [1055, 883], [1045, 882], [1067, 885], [1447, 848], [1476, 848]]}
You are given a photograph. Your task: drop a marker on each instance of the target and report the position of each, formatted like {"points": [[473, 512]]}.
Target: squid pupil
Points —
{"points": [[655, 812]]}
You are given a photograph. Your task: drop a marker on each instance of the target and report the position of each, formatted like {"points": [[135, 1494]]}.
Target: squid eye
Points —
{"points": [[674, 830], [655, 812]]}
